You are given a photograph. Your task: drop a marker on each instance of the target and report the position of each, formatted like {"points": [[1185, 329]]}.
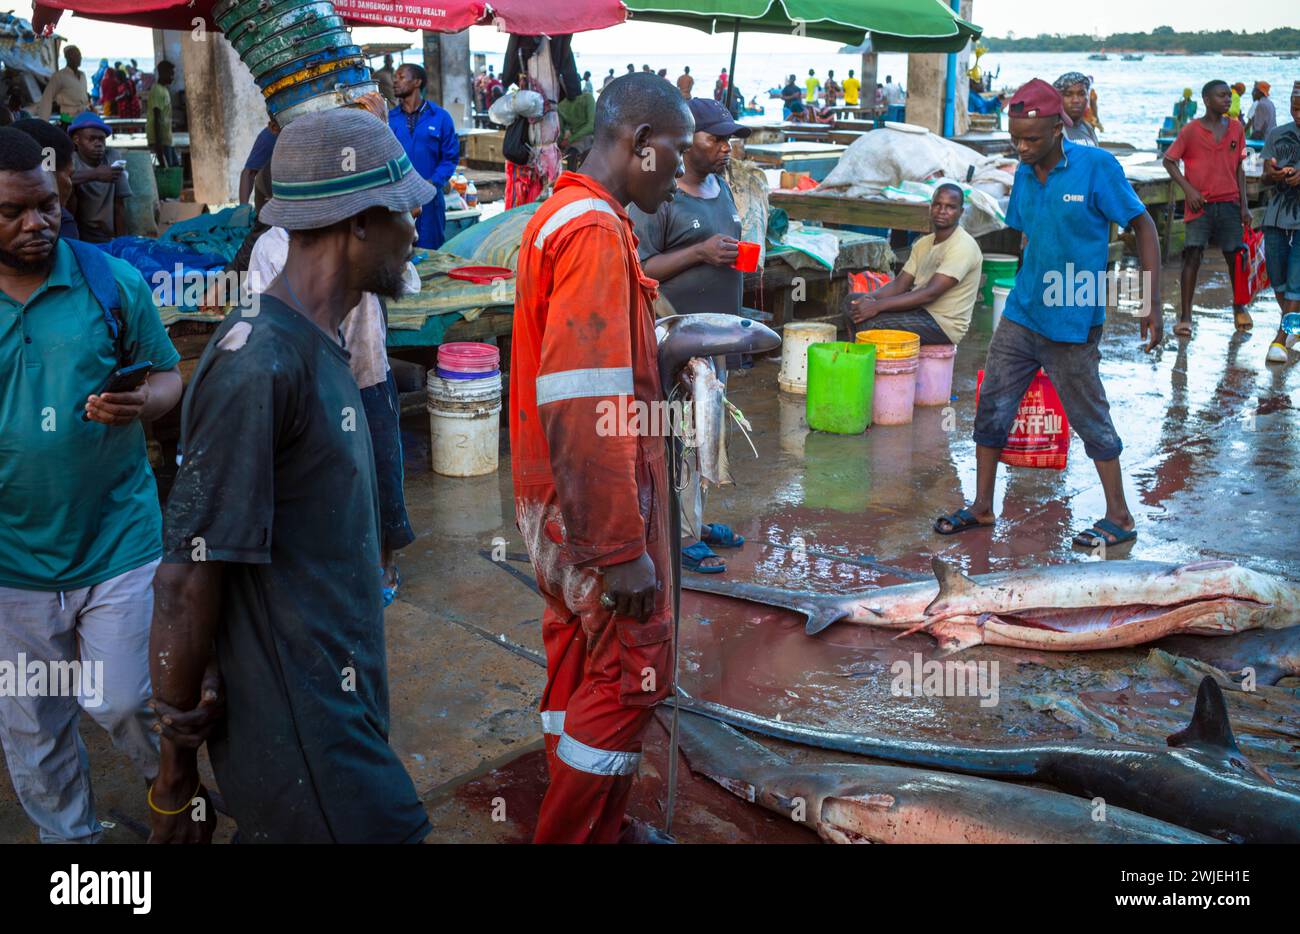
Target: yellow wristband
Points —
{"points": [[179, 810]]}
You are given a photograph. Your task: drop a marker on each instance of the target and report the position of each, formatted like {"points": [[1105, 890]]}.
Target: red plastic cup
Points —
{"points": [[746, 257]]}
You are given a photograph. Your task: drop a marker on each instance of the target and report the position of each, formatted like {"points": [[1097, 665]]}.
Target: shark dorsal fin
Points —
{"points": [[952, 583], [1209, 726]]}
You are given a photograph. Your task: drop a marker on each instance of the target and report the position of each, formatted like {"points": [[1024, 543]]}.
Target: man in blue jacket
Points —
{"points": [[428, 135]]}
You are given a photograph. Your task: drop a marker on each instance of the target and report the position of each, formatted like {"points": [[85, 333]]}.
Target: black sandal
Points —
{"points": [[960, 521]]}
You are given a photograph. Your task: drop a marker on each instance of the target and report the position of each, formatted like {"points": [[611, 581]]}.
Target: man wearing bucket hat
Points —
{"points": [[1064, 199], [591, 492], [100, 179], [272, 532]]}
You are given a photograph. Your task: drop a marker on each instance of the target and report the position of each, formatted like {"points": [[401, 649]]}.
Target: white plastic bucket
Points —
{"points": [[999, 302], [464, 424], [796, 338]]}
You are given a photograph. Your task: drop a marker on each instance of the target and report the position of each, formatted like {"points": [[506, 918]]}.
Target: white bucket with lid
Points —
{"points": [[796, 338], [464, 424]]}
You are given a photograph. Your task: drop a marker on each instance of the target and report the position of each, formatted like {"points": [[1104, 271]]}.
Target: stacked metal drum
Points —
{"points": [[300, 53]]}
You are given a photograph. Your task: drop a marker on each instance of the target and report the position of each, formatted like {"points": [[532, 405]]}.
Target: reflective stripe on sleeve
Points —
{"points": [[553, 722], [568, 213], [582, 384], [595, 761]]}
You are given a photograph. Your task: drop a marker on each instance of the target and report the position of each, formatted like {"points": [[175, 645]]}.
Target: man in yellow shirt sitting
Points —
{"points": [[851, 88], [934, 295]]}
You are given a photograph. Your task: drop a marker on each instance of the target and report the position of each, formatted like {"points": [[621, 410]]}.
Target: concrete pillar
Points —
{"points": [[446, 59], [226, 112], [867, 93], [927, 77]]}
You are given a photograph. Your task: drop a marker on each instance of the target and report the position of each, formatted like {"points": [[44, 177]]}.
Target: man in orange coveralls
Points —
{"points": [[591, 486]]}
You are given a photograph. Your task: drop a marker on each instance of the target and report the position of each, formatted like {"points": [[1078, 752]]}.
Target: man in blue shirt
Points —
{"points": [[428, 135], [80, 526], [258, 157], [1064, 200]]}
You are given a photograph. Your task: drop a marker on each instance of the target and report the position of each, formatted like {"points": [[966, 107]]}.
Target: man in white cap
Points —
{"points": [[272, 532]]}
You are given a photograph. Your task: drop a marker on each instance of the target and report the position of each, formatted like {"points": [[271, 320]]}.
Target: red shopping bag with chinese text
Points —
{"points": [[1040, 435], [1250, 275]]}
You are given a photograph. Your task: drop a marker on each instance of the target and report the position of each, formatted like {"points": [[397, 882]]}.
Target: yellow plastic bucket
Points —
{"points": [[892, 345]]}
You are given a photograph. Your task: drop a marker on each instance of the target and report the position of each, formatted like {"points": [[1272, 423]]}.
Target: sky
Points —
{"points": [[998, 17]]}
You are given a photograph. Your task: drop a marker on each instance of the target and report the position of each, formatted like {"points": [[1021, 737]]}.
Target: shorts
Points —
{"points": [[1282, 254], [919, 321], [1014, 357], [1220, 224]]}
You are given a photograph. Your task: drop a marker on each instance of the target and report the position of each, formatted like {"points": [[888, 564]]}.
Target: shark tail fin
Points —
{"points": [[952, 583], [819, 611]]}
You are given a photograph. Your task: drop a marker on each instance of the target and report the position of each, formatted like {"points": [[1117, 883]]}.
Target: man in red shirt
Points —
{"points": [[591, 485], [1212, 148]]}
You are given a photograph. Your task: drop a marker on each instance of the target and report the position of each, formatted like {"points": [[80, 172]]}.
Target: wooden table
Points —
{"points": [[854, 212], [817, 159], [1149, 180], [991, 143]]}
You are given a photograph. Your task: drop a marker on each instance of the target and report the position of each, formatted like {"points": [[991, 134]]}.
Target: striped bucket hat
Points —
{"points": [[334, 165]]}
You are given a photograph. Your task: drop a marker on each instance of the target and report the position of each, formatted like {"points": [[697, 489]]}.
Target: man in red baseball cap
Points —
{"points": [[1064, 199]]}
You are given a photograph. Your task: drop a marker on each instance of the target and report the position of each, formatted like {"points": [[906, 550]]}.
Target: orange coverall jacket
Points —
{"points": [[584, 346]]}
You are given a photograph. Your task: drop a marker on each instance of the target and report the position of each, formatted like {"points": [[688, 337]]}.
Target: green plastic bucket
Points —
{"points": [[997, 266], [841, 378], [169, 181]]}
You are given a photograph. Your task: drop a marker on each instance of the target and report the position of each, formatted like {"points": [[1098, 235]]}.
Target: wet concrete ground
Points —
{"points": [[1210, 464]]}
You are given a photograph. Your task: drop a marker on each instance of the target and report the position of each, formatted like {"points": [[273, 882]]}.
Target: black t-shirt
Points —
{"points": [[684, 221], [278, 481]]}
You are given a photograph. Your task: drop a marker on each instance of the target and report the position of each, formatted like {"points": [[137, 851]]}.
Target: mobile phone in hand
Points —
{"points": [[125, 379]]}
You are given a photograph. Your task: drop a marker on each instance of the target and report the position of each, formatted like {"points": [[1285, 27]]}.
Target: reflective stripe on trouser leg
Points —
{"points": [[552, 722], [595, 761]]}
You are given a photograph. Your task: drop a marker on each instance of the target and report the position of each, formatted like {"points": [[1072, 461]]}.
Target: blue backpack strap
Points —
{"points": [[99, 277]]}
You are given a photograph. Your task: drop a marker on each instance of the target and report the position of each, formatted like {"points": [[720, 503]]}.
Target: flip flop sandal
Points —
{"points": [[1277, 353], [721, 535], [693, 559], [960, 521], [1182, 329], [1237, 322], [1091, 538]]}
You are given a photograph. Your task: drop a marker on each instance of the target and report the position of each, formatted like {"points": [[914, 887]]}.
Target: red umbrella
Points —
{"points": [[521, 17]]}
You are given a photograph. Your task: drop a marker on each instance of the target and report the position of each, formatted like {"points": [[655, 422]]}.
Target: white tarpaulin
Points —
{"points": [[888, 158]]}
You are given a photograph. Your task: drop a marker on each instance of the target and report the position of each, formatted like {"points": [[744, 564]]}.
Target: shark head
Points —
{"points": [[1210, 734]]}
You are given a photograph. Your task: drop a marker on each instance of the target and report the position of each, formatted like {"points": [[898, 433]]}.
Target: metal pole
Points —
{"points": [[731, 72]]}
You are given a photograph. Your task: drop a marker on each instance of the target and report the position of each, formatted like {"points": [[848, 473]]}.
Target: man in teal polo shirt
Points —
{"points": [[1064, 200], [80, 525]]}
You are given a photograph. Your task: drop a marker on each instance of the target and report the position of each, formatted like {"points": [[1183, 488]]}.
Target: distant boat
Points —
{"points": [[1288, 58], [1098, 57], [1130, 57]]}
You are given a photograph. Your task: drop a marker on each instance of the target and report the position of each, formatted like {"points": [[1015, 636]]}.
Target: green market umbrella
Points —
{"points": [[889, 25]]}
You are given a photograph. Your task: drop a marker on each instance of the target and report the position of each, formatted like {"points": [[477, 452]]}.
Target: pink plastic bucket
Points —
{"points": [[468, 357], [934, 374], [895, 392]]}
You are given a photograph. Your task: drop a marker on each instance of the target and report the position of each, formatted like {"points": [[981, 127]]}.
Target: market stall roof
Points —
{"points": [[521, 17], [890, 25]]}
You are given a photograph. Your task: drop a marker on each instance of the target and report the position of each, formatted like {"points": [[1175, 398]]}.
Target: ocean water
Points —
{"points": [[1133, 97]]}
